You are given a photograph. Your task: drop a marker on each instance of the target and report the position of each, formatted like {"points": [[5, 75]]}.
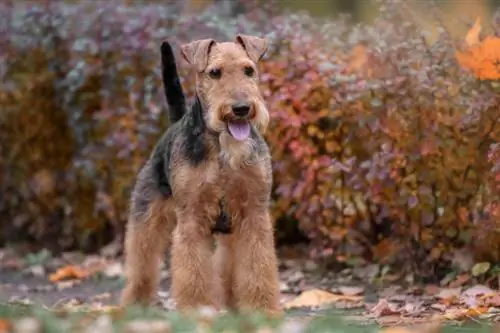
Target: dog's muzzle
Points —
{"points": [[238, 123]]}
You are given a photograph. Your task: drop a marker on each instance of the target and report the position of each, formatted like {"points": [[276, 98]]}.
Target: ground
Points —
{"points": [[77, 282]]}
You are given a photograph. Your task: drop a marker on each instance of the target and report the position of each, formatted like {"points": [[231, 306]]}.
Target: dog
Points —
{"points": [[209, 178]]}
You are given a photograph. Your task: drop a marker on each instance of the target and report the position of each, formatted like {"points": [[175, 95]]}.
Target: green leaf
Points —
{"points": [[480, 268]]}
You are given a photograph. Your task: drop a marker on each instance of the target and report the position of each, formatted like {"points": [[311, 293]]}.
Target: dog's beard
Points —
{"points": [[262, 119], [236, 153]]}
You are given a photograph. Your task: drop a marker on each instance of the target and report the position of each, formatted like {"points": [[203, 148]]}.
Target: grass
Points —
{"points": [[56, 321]]}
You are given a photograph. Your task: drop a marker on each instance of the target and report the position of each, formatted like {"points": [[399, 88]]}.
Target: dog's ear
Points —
{"points": [[255, 47], [196, 53]]}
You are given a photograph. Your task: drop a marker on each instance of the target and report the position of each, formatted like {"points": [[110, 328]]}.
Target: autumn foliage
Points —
{"points": [[385, 145]]}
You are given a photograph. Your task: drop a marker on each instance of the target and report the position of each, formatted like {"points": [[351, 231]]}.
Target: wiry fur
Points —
{"points": [[200, 180]]}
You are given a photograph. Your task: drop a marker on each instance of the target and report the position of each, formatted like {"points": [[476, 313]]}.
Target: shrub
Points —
{"points": [[82, 105], [385, 145], [381, 140]]}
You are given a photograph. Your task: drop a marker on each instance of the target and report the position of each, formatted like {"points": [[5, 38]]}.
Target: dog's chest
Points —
{"points": [[207, 184], [229, 182]]}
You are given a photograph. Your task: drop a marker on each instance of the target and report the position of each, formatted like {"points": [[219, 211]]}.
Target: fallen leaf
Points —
{"points": [[492, 300], [432, 289], [296, 277], [27, 325], [460, 281], [114, 270], [477, 290], [101, 297], [413, 309], [384, 308], [317, 297], [351, 290], [68, 272], [439, 307], [13, 264], [66, 284], [391, 291], [480, 268], [458, 314], [449, 293], [152, 326], [472, 36], [4, 326]]}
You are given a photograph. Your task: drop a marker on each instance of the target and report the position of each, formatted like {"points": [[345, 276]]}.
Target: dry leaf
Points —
{"points": [[432, 289], [114, 270], [68, 272], [492, 300], [351, 290], [472, 37], [458, 314], [480, 268], [449, 293], [4, 326], [384, 308], [477, 290], [482, 59], [460, 281], [316, 297]]}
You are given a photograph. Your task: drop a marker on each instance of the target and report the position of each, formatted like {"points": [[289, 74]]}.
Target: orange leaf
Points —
{"points": [[483, 59], [472, 36], [68, 272], [316, 297], [4, 326], [458, 314]]}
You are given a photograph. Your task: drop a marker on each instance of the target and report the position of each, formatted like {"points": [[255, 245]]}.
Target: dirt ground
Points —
{"points": [[95, 281]]}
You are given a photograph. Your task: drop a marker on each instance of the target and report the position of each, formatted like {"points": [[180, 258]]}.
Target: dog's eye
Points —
{"points": [[215, 73], [249, 71]]}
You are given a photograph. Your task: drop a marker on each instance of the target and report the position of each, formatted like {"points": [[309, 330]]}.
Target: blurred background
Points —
{"points": [[384, 122]]}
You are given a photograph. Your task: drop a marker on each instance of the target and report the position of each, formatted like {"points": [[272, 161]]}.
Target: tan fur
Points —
{"points": [[242, 273], [219, 95], [145, 243]]}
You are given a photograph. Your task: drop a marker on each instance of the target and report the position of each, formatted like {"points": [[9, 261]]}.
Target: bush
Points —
{"points": [[382, 140], [82, 105], [385, 147]]}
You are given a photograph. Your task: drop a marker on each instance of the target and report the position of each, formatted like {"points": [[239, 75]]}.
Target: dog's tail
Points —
{"points": [[171, 84]]}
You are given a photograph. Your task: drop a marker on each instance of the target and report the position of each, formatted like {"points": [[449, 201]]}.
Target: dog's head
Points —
{"points": [[228, 84]]}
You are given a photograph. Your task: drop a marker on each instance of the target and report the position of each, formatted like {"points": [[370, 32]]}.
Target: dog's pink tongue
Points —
{"points": [[239, 131]]}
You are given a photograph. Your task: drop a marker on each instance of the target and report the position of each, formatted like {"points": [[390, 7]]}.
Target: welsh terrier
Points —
{"points": [[208, 178]]}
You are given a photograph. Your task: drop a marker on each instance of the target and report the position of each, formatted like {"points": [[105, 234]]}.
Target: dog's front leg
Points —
{"points": [[256, 285], [191, 265]]}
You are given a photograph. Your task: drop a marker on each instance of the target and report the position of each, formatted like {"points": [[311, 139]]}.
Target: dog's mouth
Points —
{"points": [[239, 129]]}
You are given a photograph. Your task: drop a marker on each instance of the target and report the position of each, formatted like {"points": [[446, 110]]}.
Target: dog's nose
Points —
{"points": [[241, 109]]}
